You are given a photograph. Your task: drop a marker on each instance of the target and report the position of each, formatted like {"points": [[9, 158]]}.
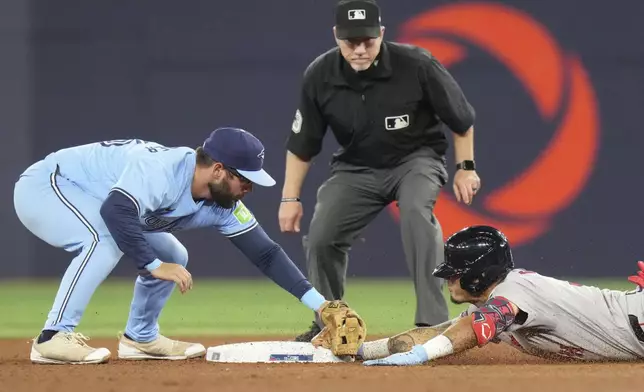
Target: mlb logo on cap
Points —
{"points": [[357, 15], [357, 19]]}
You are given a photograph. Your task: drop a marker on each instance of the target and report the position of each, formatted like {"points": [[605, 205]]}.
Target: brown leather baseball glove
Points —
{"points": [[344, 330]]}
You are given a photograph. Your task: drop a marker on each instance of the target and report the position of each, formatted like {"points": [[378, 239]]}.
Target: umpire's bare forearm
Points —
{"points": [[464, 145], [295, 173]]}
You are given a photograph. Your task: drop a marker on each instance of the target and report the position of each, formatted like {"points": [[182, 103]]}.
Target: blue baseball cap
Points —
{"points": [[240, 150]]}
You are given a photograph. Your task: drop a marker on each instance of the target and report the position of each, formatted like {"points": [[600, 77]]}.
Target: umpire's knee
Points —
{"points": [[417, 209], [319, 239]]}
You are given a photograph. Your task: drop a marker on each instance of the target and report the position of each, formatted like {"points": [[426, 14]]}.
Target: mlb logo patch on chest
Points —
{"points": [[394, 123]]}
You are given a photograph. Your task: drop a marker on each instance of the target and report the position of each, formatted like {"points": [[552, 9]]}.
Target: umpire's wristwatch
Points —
{"points": [[466, 165]]}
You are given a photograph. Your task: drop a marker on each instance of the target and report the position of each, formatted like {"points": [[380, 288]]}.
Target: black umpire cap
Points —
{"points": [[357, 19]]}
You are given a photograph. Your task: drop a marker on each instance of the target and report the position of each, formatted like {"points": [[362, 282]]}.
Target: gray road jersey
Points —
{"points": [[572, 321]]}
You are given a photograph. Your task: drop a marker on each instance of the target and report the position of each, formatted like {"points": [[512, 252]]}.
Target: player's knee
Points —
{"points": [[180, 255]]}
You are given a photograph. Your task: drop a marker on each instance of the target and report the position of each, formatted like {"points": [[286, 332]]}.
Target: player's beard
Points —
{"points": [[455, 301], [221, 194]]}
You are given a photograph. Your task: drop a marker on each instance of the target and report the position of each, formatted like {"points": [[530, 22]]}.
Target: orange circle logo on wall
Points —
{"points": [[528, 202]]}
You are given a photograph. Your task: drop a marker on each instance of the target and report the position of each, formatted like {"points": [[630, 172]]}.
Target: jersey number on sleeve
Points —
{"points": [[123, 142]]}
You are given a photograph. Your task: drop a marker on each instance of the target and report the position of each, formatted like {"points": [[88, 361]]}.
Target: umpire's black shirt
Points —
{"points": [[405, 100]]}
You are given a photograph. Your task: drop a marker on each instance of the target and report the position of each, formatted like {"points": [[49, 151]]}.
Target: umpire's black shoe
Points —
{"points": [[310, 334]]}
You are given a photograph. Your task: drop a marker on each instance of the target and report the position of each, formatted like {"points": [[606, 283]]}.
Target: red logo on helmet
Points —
{"points": [[528, 202]]}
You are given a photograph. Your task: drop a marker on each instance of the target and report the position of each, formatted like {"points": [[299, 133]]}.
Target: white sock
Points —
{"points": [[375, 349]]}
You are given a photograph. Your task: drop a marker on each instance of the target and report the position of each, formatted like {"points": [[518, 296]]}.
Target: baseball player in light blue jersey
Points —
{"points": [[103, 200]]}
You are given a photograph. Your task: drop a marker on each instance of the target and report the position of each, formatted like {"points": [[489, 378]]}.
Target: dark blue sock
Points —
{"points": [[128, 337], [46, 335]]}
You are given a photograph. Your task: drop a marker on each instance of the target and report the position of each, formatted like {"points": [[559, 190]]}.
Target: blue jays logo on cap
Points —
{"points": [[239, 150]]}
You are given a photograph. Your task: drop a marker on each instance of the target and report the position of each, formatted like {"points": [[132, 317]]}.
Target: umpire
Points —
{"points": [[389, 106]]}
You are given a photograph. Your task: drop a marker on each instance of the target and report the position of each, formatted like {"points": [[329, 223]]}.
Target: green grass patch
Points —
{"points": [[218, 307]]}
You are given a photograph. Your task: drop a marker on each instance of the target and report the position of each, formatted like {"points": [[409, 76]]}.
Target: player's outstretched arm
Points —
{"points": [[344, 330], [272, 261], [484, 324], [403, 341]]}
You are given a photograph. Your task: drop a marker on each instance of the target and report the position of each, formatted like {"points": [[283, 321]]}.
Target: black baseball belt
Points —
{"points": [[637, 327]]}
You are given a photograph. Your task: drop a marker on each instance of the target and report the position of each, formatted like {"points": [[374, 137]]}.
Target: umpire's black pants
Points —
{"points": [[352, 197]]}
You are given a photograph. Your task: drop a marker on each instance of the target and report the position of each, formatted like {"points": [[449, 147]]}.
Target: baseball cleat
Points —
{"points": [[160, 348], [67, 348], [308, 336]]}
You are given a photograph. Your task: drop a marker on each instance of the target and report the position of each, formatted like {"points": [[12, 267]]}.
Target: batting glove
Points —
{"points": [[416, 356], [639, 278]]}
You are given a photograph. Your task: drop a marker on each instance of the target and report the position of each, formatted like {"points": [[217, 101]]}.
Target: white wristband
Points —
{"points": [[439, 346]]}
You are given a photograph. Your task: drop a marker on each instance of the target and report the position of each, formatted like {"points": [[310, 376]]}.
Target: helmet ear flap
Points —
{"points": [[477, 281], [471, 282]]}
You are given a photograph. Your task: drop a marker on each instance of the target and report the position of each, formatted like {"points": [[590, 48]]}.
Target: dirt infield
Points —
{"points": [[495, 366]]}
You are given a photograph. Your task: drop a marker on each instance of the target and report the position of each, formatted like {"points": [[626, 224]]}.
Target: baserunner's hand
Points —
{"points": [[175, 273], [416, 356]]}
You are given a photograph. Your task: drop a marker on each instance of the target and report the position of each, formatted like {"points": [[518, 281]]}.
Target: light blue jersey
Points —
{"points": [[155, 178], [69, 198]]}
